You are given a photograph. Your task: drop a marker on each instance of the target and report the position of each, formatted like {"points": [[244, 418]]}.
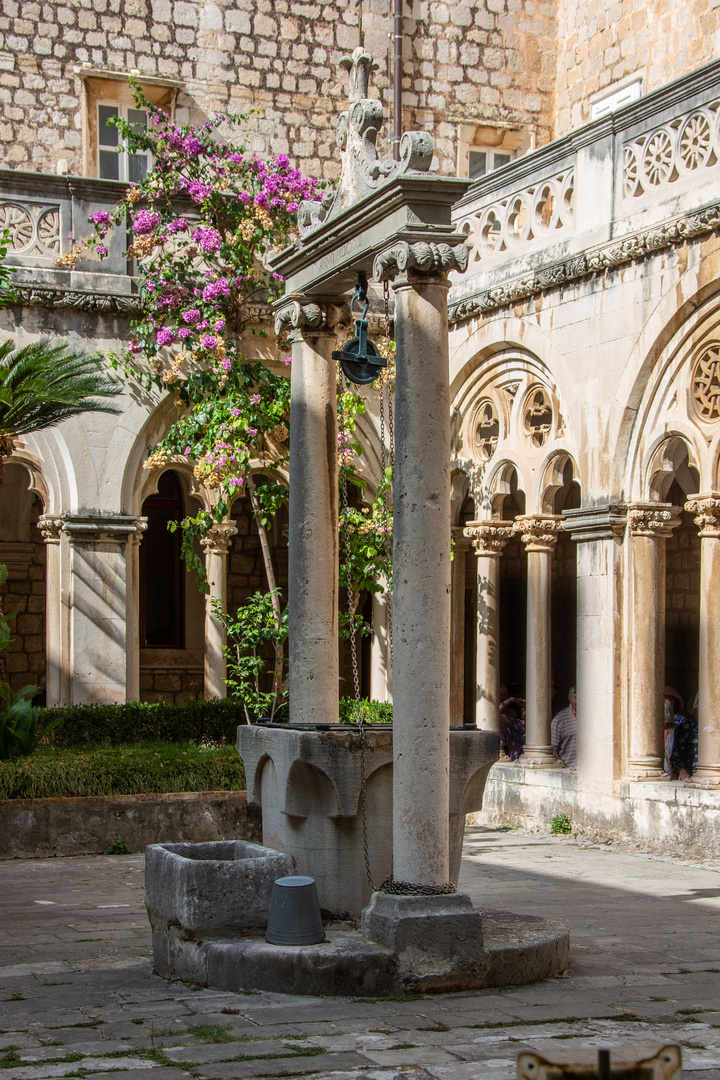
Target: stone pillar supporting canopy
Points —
{"points": [[216, 545], [539, 535], [488, 539], [313, 553], [421, 558], [649, 525], [100, 587], [458, 674], [706, 509]]}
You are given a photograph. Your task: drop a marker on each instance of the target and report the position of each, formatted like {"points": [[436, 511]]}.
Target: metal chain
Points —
{"points": [[410, 888], [353, 644]]}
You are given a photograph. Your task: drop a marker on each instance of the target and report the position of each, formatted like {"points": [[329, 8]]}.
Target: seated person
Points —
{"points": [[563, 733]]}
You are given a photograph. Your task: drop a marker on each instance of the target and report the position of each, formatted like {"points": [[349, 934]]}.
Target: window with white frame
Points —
{"points": [[115, 162], [483, 160]]}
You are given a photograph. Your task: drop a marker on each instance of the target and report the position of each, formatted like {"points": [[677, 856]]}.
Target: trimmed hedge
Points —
{"points": [[202, 721], [373, 712], [145, 768]]}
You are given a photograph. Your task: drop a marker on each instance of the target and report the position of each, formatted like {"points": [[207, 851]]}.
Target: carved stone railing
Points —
{"points": [[616, 190], [40, 213]]}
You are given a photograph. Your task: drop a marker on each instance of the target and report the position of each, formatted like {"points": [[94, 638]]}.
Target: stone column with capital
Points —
{"points": [[539, 535], [216, 545], [488, 539], [421, 558], [56, 659], [706, 509], [313, 540], [133, 611], [649, 525], [97, 654], [457, 627]]}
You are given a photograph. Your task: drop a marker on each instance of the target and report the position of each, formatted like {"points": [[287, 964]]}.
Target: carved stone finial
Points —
{"points": [[357, 132], [539, 533], [359, 67], [219, 538], [423, 258], [706, 509]]}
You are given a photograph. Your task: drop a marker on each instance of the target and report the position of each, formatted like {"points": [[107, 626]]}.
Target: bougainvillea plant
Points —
{"points": [[202, 225], [203, 222]]}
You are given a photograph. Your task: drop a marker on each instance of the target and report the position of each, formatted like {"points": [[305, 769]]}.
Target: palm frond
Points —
{"points": [[46, 382]]}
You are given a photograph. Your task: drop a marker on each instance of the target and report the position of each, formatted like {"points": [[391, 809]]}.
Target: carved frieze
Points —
{"points": [[423, 258], [683, 147], [75, 300], [639, 246]]}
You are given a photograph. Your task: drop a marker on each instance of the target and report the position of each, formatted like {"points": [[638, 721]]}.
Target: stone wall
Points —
{"points": [[490, 60], [602, 42], [24, 592], [175, 684]]}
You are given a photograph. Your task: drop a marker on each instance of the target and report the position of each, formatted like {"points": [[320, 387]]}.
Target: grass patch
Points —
{"points": [[139, 769], [435, 1027], [506, 828], [15, 997], [212, 1033]]}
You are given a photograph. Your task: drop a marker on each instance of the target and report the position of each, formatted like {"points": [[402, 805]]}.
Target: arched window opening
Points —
{"points": [[23, 551], [162, 582], [512, 600], [682, 593]]}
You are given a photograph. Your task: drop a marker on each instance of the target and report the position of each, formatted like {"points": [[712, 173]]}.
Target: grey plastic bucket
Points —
{"points": [[294, 916]]}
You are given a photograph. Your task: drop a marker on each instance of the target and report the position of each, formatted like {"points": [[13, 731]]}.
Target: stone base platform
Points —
{"points": [[517, 950]]}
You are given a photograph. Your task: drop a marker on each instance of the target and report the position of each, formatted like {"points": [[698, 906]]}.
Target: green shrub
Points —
{"points": [[138, 721], [139, 769], [561, 823], [373, 712], [121, 846]]}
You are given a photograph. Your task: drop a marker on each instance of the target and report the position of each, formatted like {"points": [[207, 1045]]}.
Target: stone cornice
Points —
{"points": [[423, 258], [101, 528], [596, 522], [706, 509], [490, 537], [626, 249]]}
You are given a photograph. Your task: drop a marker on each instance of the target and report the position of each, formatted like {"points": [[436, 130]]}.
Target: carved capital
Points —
{"points": [[539, 533], [655, 521], [297, 320], [706, 510], [141, 525], [50, 528], [219, 539], [490, 538], [433, 260]]}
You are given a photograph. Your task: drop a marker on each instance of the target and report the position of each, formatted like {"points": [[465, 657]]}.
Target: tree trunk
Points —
{"points": [[272, 585]]}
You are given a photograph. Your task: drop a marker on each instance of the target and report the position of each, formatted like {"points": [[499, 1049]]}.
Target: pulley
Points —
{"points": [[360, 358]]}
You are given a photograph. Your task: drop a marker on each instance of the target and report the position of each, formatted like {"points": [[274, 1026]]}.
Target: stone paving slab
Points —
{"points": [[645, 968]]}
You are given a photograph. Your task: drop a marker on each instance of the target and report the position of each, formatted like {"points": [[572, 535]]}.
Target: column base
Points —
{"points": [[539, 757], [705, 776], [437, 939], [646, 769]]}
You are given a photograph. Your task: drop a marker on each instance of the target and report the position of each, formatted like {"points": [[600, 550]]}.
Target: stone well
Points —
{"points": [[308, 783]]}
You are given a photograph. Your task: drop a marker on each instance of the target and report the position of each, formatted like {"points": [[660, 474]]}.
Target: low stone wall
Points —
{"points": [[667, 816], [39, 827]]}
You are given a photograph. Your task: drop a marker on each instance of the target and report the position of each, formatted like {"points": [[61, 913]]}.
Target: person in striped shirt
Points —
{"points": [[563, 733]]}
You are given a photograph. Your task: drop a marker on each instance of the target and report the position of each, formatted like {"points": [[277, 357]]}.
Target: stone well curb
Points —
{"points": [[32, 828]]}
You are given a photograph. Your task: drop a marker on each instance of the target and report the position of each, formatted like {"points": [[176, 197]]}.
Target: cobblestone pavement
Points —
{"points": [[78, 997]]}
